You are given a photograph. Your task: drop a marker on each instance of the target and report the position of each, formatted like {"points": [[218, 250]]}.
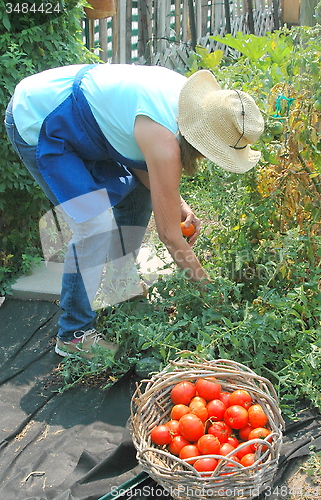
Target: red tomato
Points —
{"points": [[189, 451], [209, 445], [240, 397], [191, 427], [177, 443], [205, 465], [245, 431], [225, 398], [233, 441], [244, 451], [200, 410], [236, 416], [221, 430], [197, 400], [208, 388], [257, 417], [161, 435], [173, 426], [178, 411], [216, 409], [259, 433], [248, 459], [183, 392], [226, 448]]}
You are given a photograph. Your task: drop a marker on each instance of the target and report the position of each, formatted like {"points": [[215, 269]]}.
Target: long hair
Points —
{"points": [[189, 156]]}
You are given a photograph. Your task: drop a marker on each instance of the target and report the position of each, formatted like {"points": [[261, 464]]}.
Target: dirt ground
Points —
{"points": [[303, 482]]}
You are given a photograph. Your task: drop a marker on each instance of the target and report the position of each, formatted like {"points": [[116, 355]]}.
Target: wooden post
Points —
{"points": [[227, 16], [103, 54], [129, 27], [145, 29], [192, 22], [250, 16]]}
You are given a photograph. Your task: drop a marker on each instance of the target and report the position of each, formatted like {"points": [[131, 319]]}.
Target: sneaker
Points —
{"points": [[84, 344]]}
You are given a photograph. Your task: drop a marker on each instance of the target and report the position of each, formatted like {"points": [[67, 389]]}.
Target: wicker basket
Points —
{"points": [[151, 405]]}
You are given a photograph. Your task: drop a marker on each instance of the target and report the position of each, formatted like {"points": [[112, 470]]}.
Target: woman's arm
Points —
{"points": [[162, 155]]}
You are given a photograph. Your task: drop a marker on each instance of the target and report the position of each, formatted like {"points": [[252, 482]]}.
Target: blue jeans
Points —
{"points": [[105, 245]]}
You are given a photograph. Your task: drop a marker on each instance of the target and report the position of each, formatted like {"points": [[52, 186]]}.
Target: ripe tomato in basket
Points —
{"points": [[236, 416], [259, 433], [241, 397], [178, 411], [221, 430], [216, 409], [189, 451], [191, 427], [205, 465], [208, 445], [208, 388], [257, 417], [177, 443], [161, 435], [183, 392]]}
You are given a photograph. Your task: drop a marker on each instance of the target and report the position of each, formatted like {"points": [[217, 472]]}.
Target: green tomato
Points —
{"points": [[276, 128], [317, 105], [267, 138]]}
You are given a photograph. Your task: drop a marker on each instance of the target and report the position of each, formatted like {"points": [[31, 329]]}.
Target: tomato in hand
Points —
{"points": [[241, 397], [257, 417], [183, 392], [161, 435], [191, 427], [187, 231], [208, 388], [236, 416], [209, 445]]}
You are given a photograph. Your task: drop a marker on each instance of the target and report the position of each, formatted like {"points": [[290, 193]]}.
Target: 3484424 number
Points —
{"points": [[32, 8]]}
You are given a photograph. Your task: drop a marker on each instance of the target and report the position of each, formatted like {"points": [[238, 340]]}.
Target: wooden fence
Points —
{"points": [[164, 31]]}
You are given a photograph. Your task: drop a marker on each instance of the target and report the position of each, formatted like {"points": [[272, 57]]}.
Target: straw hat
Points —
{"points": [[220, 124]]}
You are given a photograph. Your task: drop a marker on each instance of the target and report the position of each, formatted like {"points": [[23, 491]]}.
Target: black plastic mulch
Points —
{"points": [[76, 445]]}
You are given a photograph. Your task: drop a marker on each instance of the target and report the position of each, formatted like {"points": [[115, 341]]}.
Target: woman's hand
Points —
{"points": [[188, 216]]}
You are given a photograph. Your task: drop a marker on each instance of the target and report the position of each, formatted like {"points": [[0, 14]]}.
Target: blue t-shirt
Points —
{"points": [[116, 93]]}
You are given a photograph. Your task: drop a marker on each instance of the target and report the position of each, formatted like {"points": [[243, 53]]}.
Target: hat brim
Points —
{"points": [[200, 85]]}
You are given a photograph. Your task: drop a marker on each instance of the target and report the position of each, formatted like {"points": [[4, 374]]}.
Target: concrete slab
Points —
{"points": [[44, 283]]}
